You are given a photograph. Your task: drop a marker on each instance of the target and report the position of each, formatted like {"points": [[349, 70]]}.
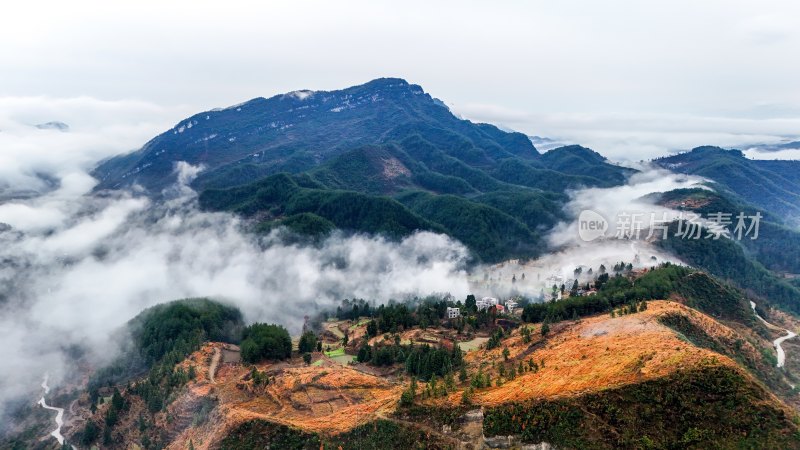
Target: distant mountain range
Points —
{"points": [[791, 145]]}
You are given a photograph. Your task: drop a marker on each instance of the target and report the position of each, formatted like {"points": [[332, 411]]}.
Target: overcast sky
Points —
{"points": [[631, 79]]}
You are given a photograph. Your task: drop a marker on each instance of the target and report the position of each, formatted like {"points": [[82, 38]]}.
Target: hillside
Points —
{"points": [[602, 381], [771, 185], [758, 265], [776, 244]]}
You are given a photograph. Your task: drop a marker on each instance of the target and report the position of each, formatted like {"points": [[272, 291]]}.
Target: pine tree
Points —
{"points": [[466, 397], [526, 335], [107, 436], [462, 374], [449, 381]]}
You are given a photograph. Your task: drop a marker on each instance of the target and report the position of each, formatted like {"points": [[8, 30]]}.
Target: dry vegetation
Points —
{"points": [[595, 353], [326, 398], [575, 358]]}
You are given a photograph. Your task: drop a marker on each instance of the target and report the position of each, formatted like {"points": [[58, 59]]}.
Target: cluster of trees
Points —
{"points": [[631, 308], [495, 338], [160, 337], [623, 294], [429, 311], [353, 309], [308, 342], [420, 361], [425, 361], [612, 292], [265, 341]]}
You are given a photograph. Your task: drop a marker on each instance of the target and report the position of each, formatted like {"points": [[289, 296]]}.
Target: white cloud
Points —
{"points": [[76, 267], [34, 160], [626, 137], [614, 60]]}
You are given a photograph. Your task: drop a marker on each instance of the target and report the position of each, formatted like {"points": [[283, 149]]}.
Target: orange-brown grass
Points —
{"points": [[328, 398], [593, 354], [324, 399], [418, 336], [578, 357]]}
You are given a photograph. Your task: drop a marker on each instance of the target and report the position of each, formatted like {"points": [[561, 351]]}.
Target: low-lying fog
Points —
{"points": [[75, 267]]}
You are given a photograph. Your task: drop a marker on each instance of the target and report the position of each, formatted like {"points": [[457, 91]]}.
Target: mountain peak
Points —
{"points": [[53, 125], [299, 130]]}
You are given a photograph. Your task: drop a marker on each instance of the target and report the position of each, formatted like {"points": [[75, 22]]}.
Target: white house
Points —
{"points": [[452, 313], [511, 305], [485, 303]]}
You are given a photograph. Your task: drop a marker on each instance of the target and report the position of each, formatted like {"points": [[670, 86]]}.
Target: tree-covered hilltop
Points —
{"points": [[700, 291], [770, 185], [777, 245], [263, 341], [156, 340], [164, 334]]}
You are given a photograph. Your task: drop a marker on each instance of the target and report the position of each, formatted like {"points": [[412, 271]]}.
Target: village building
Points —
{"points": [[452, 313], [511, 305], [485, 303]]}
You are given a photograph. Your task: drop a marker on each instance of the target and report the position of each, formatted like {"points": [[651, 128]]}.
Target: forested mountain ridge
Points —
{"points": [[773, 185], [299, 130], [383, 157]]}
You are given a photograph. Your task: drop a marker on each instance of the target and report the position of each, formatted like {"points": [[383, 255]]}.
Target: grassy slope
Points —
{"points": [[712, 406], [380, 434]]}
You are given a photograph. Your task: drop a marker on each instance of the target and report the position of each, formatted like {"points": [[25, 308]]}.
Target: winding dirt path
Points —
{"points": [[777, 342], [212, 368]]}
